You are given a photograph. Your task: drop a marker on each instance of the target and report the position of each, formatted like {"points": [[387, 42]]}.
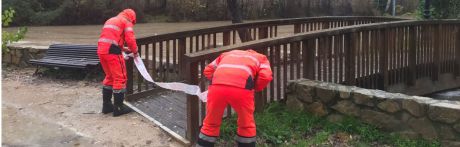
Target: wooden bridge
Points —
{"points": [[370, 52]]}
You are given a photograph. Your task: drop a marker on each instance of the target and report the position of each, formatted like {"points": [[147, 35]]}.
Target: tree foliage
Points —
{"points": [[7, 37], [442, 9], [73, 12]]}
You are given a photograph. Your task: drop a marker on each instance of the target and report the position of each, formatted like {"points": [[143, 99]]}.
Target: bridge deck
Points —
{"points": [[166, 107]]}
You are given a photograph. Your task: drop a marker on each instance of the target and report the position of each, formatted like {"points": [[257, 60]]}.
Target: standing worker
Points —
{"points": [[234, 76], [116, 31]]}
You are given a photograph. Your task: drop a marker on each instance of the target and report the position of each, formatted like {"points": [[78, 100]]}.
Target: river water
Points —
{"points": [[447, 95]]}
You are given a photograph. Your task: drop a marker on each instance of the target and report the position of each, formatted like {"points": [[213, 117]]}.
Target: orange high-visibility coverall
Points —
{"points": [[234, 76], [116, 31]]}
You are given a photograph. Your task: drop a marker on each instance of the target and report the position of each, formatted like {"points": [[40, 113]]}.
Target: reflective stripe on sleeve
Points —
{"points": [[264, 66], [128, 29]]}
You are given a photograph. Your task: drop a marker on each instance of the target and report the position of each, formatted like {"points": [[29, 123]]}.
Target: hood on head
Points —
{"points": [[129, 14]]}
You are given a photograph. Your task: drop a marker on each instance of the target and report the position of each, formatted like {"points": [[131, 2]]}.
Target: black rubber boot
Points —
{"points": [[204, 143], [252, 144], [120, 109], [107, 106]]}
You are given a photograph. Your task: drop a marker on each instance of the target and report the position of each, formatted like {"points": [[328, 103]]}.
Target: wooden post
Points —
{"points": [[412, 57], [297, 27], [437, 47], [191, 76], [226, 38], [350, 43], [457, 47], [384, 58], [129, 68], [182, 49], [263, 32], [308, 58], [258, 101]]}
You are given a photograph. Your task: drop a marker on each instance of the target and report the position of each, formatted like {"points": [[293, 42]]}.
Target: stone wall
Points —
{"points": [[20, 56], [409, 116]]}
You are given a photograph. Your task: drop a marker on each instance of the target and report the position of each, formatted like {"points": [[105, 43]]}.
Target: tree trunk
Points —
{"points": [[388, 6], [235, 11]]}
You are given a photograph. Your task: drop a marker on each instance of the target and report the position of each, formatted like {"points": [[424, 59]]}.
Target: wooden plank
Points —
{"points": [[161, 71], [202, 87], [190, 44], [298, 57], [292, 59], [336, 61], [372, 50], [167, 68], [457, 51], [175, 62], [226, 38], [365, 58], [278, 72], [197, 43], [350, 44], [139, 77], [147, 62], [412, 57], [436, 53], [359, 55], [285, 71], [130, 83], [329, 58], [154, 61], [321, 68], [272, 64], [182, 50], [192, 103]]}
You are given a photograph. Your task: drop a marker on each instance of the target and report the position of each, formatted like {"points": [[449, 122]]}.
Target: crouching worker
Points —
{"points": [[234, 76], [115, 32]]}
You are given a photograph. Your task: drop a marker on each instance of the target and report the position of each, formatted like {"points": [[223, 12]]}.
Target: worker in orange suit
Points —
{"points": [[115, 33], [234, 75]]}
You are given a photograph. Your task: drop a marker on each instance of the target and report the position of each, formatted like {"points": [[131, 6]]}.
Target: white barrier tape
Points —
{"points": [[186, 88]]}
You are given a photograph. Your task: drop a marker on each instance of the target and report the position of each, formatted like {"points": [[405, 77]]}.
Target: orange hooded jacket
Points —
{"points": [[118, 30]]}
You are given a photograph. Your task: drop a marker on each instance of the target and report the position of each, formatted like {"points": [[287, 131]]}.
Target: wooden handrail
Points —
{"points": [[193, 57], [262, 23]]}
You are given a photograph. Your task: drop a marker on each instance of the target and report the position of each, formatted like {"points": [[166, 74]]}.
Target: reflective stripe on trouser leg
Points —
{"points": [[245, 141], [108, 87], [241, 139], [205, 140]]}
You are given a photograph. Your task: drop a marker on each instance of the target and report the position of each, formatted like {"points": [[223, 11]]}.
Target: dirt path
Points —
{"points": [[41, 111]]}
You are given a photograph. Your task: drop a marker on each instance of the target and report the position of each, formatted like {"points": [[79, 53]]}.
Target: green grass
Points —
{"points": [[277, 126]]}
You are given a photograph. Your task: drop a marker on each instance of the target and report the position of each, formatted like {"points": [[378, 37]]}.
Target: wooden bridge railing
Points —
{"points": [[163, 53], [371, 56]]}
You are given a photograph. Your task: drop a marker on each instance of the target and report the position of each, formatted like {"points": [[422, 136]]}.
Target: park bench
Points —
{"points": [[69, 56]]}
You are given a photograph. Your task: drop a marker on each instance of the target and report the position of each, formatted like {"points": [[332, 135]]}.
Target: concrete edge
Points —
{"points": [[164, 128]]}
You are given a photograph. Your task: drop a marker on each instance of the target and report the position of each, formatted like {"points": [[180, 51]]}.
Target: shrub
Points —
{"points": [[7, 37]]}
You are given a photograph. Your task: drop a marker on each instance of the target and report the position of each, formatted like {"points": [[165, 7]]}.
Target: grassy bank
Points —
{"points": [[277, 126]]}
